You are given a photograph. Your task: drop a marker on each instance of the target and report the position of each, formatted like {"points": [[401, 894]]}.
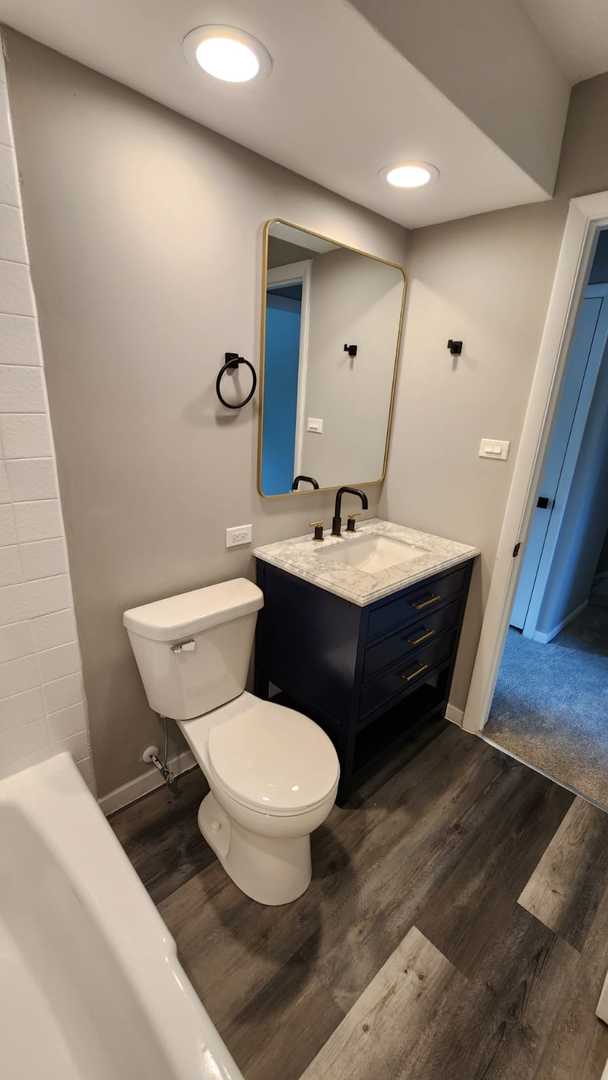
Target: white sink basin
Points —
{"points": [[372, 553]]}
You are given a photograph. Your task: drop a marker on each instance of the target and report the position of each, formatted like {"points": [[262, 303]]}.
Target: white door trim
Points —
{"points": [[585, 216], [292, 274]]}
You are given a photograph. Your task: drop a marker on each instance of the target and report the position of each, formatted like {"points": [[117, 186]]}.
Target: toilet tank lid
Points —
{"points": [[179, 617]]}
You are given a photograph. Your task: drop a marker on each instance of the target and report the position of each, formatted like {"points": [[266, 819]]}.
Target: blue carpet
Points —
{"points": [[550, 707]]}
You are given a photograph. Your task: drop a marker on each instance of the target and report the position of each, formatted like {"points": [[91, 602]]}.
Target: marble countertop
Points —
{"points": [[304, 557]]}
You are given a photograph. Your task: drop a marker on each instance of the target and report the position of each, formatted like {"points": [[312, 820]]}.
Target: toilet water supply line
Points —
{"points": [[161, 762]]}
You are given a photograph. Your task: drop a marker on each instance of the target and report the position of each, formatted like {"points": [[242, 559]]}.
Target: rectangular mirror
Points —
{"points": [[330, 332]]}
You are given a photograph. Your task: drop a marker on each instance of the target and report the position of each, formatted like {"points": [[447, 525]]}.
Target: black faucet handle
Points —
{"points": [[318, 526], [351, 522]]}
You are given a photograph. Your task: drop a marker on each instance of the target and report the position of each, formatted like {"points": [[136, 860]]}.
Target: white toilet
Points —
{"points": [[273, 773]]}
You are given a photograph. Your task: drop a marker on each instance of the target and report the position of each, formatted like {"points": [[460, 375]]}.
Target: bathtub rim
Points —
{"points": [[57, 803]]}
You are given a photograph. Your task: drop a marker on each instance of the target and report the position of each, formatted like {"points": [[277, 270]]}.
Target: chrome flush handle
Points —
{"points": [[184, 646]]}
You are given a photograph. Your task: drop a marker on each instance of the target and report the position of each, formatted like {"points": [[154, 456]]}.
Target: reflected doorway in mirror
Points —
{"points": [[326, 406]]}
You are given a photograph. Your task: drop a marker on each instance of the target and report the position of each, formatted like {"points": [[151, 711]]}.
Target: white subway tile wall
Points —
{"points": [[42, 702], [25, 435], [30, 478]]}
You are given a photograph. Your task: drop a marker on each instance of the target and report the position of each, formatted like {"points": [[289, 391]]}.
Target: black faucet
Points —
{"points": [[310, 479], [336, 524]]}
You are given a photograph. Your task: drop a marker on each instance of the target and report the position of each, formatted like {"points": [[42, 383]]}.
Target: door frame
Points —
{"points": [[571, 456], [295, 274], [586, 215]]}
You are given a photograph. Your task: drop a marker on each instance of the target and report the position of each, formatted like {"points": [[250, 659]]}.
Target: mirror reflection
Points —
{"points": [[330, 335]]}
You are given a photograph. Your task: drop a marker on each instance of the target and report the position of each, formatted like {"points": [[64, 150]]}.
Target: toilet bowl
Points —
{"points": [[273, 776], [272, 772]]}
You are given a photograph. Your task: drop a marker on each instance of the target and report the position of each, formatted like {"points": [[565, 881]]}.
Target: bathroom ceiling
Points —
{"points": [[340, 104], [576, 32]]}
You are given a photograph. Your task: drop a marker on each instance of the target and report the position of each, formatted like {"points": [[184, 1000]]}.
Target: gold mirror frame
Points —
{"points": [[261, 366]]}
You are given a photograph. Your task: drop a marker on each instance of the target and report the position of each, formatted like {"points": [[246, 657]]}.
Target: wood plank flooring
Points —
{"points": [[456, 927], [567, 885]]}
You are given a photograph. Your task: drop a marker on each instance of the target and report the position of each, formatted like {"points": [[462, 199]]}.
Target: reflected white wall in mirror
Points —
{"points": [[331, 326]]}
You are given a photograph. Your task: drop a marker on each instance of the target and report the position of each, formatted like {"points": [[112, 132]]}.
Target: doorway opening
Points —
{"points": [[286, 360], [550, 705]]}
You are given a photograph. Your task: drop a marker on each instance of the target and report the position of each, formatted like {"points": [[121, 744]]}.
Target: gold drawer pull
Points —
{"points": [[421, 638], [414, 674], [434, 599]]}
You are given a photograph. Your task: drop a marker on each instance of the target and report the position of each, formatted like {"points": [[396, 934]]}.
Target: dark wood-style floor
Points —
{"points": [[456, 927]]}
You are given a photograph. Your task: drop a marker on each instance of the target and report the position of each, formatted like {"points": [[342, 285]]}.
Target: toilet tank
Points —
{"points": [[193, 650]]}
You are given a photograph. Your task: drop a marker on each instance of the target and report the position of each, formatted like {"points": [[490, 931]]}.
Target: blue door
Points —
{"points": [[588, 338], [281, 366]]}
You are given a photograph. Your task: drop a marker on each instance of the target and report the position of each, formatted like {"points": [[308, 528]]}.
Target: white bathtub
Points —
{"points": [[90, 985]]}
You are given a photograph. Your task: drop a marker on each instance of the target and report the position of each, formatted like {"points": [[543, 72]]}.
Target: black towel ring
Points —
{"points": [[232, 362]]}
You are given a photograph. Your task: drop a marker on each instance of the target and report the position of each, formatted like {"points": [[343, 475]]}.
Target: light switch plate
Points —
{"points": [[315, 424], [494, 448], [238, 535]]}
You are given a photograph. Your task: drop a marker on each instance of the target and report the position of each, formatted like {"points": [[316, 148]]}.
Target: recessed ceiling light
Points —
{"points": [[227, 53], [411, 174]]}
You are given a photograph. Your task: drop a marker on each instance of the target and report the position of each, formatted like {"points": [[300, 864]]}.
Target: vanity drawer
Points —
{"points": [[416, 603], [411, 671], [397, 646]]}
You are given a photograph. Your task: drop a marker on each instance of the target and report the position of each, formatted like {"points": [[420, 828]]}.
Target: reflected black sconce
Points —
{"points": [[455, 347], [351, 350]]}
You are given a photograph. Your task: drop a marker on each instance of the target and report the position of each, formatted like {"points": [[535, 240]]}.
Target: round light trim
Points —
{"points": [[227, 53], [412, 174]]}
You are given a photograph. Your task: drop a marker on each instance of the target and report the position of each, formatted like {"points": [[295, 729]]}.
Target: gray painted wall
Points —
{"points": [[355, 301], [487, 280], [463, 46], [145, 233]]}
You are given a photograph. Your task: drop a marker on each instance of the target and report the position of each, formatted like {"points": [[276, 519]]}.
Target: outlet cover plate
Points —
{"points": [[315, 425], [239, 535], [494, 448]]}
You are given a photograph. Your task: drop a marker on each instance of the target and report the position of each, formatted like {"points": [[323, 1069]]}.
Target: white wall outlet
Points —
{"points": [[315, 424], [237, 535], [494, 448]]}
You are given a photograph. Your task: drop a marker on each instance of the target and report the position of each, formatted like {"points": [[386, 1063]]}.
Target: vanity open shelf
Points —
{"points": [[385, 733], [365, 672]]}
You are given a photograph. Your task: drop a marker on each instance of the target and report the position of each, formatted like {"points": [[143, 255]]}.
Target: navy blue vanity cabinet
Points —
{"points": [[365, 674]]}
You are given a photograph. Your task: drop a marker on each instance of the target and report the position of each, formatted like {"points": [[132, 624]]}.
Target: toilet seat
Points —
{"points": [[271, 759]]}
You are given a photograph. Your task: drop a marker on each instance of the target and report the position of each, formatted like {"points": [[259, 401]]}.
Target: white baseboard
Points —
{"points": [[453, 714], [544, 639], [146, 782]]}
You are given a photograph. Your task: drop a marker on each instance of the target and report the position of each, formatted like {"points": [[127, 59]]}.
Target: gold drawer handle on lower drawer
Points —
{"points": [[423, 637], [414, 674], [434, 599]]}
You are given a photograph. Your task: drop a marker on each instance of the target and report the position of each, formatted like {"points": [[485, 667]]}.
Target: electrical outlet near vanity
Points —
{"points": [[361, 632]]}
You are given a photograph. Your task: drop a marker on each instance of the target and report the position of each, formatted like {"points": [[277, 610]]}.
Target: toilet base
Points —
{"points": [[272, 870]]}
